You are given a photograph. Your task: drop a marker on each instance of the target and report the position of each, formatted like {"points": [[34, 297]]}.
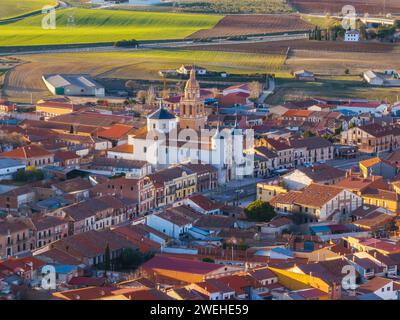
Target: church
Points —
{"points": [[169, 140]]}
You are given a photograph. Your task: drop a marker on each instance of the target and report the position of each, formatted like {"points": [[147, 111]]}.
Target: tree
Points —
{"points": [[208, 260], [107, 259], [130, 259], [260, 211]]}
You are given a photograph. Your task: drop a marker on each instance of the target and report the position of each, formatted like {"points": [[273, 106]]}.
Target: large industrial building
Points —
{"points": [[73, 85]]}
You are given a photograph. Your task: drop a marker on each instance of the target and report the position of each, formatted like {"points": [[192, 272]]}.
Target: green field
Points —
{"points": [[13, 8], [74, 26]]}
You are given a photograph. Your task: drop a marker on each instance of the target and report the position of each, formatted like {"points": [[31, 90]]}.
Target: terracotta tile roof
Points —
{"points": [[65, 155], [181, 265], [322, 172], [315, 195], [298, 113], [27, 152], [73, 185], [205, 203], [89, 293], [45, 222], [116, 132], [310, 143], [123, 148], [278, 145], [372, 162], [374, 284], [14, 264]]}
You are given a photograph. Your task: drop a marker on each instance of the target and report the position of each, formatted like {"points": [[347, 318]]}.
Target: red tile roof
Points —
{"points": [[181, 265], [27, 152], [116, 132]]}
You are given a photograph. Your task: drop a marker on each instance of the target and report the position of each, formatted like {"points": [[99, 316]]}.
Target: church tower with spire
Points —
{"points": [[192, 112]]}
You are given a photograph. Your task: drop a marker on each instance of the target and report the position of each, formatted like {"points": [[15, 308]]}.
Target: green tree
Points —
{"points": [[130, 259], [260, 211], [107, 259], [208, 260]]}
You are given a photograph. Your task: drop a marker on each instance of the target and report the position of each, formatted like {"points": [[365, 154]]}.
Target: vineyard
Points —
{"points": [[361, 6], [254, 24]]}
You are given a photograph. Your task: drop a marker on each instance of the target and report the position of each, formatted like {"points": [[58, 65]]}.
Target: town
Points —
{"points": [[191, 169]]}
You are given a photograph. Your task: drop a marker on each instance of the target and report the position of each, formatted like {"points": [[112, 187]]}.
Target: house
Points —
{"points": [[117, 134], [304, 75], [276, 226], [186, 70], [177, 183], [372, 138], [76, 189], [32, 155], [268, 190], [141, 191], [95, 214], [17, 198], [185, 270], [89, 247], [47, 229], [67, 159], [373, 78], [174, 222], [376, 108], [352, 36], [213, 289], [111, 166], [207, 175], [29, 269], [382, 287], [203, 204], [8, 167], [49, 108], [15, 237], [240, 88], [304, 176], [73, 85], [6, 106], [377, 167], [317, 202]]}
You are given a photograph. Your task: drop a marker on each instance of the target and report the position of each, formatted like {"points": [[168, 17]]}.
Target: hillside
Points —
{"points": [[13, 8]]}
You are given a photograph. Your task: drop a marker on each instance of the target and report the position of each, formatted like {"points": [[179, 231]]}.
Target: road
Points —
{"points": [[268, 92]]}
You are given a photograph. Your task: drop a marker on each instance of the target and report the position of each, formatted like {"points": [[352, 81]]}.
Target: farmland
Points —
{"points": [[235, 6], [26, 78], [13, 8], [361, 6], [346, 87], [281, 47], [76, 26], [234, 25]]}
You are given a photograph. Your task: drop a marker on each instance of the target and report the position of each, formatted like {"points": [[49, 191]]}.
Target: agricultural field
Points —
{"points": [[334, 7], [74, 26], [25, 79], [350, 87], [234, 25], [281, 47], [337, 63], [14, 8], [235, 6]]}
